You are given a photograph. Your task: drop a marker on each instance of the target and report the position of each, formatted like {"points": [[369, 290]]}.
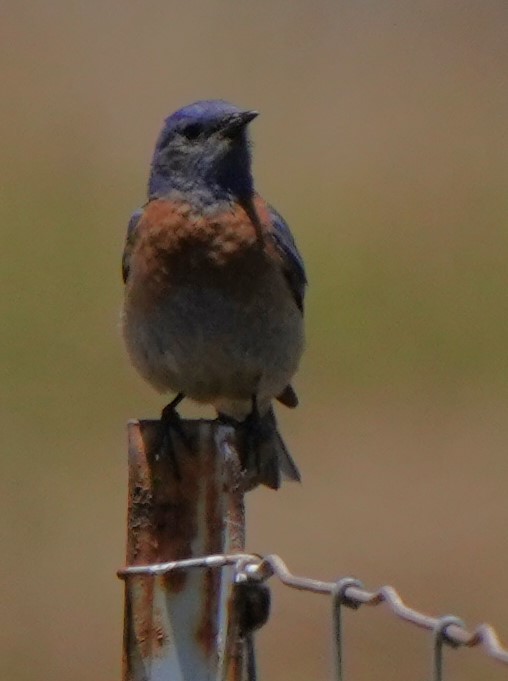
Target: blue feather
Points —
{"points": [[294, 268]]}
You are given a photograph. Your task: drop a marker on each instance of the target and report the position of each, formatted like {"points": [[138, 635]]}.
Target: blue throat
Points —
{"points": [[225, 180]]}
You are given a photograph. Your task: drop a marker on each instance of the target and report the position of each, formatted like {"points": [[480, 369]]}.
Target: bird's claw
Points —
{"points": [[171, 425]]}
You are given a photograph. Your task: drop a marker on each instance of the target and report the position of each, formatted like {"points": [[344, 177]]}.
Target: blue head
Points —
{"points": [[204, 148]]}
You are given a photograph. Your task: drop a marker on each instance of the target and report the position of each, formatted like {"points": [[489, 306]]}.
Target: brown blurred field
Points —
{"points": [[383, 140]]}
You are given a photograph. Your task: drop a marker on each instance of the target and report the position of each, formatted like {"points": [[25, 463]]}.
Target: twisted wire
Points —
{"points": [[449, 629]]}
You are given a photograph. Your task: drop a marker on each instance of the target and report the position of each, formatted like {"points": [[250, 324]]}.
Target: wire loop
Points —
{"points": [[441, 637], [339, 599]]}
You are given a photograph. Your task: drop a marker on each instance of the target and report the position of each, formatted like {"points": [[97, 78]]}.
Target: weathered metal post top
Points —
{"points": [[181, 626]]}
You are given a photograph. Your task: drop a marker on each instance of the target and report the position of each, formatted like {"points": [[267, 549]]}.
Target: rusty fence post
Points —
{"points": [[180, 626]]}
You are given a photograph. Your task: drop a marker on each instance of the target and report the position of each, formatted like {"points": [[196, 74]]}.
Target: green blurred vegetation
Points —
{"points": [[383, 141]]}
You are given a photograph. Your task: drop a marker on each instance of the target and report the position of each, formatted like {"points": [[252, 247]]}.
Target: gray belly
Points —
{"points": [[209, 345]]}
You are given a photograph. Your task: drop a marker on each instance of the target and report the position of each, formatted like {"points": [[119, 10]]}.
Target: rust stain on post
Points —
{"points": [[172, 622]]}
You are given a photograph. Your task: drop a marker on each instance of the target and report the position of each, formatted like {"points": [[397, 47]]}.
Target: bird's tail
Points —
{"points": [[274, 462]]}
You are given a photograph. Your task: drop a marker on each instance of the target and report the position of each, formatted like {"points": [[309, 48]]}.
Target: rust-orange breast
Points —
{"points": [[178, 244]]}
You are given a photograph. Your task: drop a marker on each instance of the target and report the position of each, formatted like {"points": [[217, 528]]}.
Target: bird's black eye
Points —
{"points": [[192, 131]]}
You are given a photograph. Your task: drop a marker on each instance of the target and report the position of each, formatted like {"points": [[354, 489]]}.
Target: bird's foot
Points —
{"points": [[256, 431], [171, 426], [256, 452]]}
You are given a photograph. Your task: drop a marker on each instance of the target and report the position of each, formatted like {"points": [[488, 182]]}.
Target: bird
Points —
{"points": [[215, 286]]}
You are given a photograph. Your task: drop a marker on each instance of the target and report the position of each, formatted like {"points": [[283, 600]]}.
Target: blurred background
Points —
{"points": [[383, 141]]}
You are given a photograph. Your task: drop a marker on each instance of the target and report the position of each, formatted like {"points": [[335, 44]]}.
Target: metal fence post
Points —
{"points": [[180, 626]]}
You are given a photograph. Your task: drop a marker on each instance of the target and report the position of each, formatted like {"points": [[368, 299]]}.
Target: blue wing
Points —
{"points": [[294, 269], [129, 241]]}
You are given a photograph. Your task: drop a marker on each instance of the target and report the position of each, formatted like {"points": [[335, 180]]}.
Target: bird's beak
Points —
{"points": [[237, 121]]}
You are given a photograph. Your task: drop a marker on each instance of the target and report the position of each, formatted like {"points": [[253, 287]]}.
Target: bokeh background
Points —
{"points": [[383, 141]]}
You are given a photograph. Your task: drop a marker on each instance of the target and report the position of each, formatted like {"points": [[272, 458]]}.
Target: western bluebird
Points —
{"points": [[215, 284]]}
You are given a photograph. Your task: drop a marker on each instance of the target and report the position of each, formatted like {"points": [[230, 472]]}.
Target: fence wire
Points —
{"points": [[346, 592]]}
